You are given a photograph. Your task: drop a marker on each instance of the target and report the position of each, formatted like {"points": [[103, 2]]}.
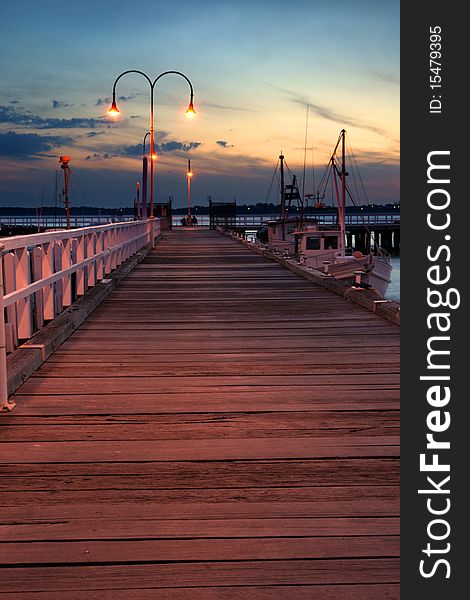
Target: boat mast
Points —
{"points": [[283, 198], [343, 191]]}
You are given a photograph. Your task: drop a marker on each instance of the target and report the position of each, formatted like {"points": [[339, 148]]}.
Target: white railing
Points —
{"points": [[245, 220], [54, 221], [43, 273], [323, 219]]}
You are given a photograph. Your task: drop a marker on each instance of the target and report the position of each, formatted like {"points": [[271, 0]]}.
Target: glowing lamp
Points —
{"points": [[114, 110], [190, 112], [189, 174], [154, 157]]}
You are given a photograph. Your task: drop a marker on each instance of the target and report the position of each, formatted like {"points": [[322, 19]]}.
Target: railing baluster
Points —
{"points": [[100, 261], [9, 270], [23, 308], [66, 281], [112, 242], [73, 257], [37, 259], [58, 284], [106, 246], [48, 290], [80, 278], [92, 266]]}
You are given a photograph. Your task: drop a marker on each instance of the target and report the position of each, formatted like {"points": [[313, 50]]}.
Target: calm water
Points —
{"points": [[393, 292]]}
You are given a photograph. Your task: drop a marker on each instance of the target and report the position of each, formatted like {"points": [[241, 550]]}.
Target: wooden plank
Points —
{"points": [[228, 503], [180, 575], [198, 474], [122, 369], [137, 385], [241, 592], [203, 425], [220, 549], [207, 449], [303, 399], [109, 528]]}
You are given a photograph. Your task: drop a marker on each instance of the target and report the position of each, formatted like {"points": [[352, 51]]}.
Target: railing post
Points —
{"points": [[38, 296], [100, 262], [58, 306], [5, 405], [80, 277], [47, 270], [91, 266], [23, 308], [9, 269], [67, 280]]}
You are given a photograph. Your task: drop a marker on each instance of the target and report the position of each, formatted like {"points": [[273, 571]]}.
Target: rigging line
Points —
{"points": [[271, 184], [82, 191], [329, 167], [287, 167], [358, 172], [325, 177], [354, 168], [313, 167]]}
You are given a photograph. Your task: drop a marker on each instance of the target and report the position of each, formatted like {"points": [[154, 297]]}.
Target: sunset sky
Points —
{"points": [[255, 66]]}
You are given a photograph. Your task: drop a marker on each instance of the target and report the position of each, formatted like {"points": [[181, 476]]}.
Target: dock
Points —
{"points": [[218, 428]]}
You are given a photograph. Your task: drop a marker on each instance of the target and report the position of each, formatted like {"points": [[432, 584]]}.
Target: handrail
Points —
{"points": [[19, 241], [43, 273]]}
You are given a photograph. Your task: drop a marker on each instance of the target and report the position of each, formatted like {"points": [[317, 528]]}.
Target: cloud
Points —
{"points": [[171, 146], [229, 107], [327, 113], [135, 150], [174, 146], [91, 134], [224, 144], [107, 100], [383, 76], [59, 104], [12, 116], [97, 156], [27, 145]]}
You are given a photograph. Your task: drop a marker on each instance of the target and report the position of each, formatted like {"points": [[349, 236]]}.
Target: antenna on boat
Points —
{"points": [[343, 191], [283, 197], [305, 154]]}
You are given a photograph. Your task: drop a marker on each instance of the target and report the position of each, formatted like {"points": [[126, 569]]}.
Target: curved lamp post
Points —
{"points": [[144, 177], [190, 112]]}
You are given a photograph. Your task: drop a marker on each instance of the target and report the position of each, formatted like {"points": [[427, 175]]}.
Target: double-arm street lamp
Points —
{"points": [[190, 112]]}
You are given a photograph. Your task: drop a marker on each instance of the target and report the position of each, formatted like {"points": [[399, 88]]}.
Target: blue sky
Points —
{"points": [[254, 65]]}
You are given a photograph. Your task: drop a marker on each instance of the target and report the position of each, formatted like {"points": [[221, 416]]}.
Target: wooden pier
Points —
{"points": [[218, 428]]}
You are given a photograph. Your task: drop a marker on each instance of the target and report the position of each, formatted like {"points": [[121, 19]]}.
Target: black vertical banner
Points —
{"points": [[435, 261]]}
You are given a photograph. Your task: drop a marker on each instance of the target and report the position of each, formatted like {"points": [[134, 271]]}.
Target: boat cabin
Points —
{"points": [[318, 245], [292, 227]]}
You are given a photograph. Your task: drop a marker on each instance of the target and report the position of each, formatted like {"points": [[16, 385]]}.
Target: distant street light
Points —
{"points": [[114, 112], [189, 174], [64, 163]]}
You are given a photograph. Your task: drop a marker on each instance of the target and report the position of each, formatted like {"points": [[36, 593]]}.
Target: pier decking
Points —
{"points": [[219, 428]]}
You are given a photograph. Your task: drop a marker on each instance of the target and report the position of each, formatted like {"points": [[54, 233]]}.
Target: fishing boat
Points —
{"points": [[319, 246], [281, 233]]}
